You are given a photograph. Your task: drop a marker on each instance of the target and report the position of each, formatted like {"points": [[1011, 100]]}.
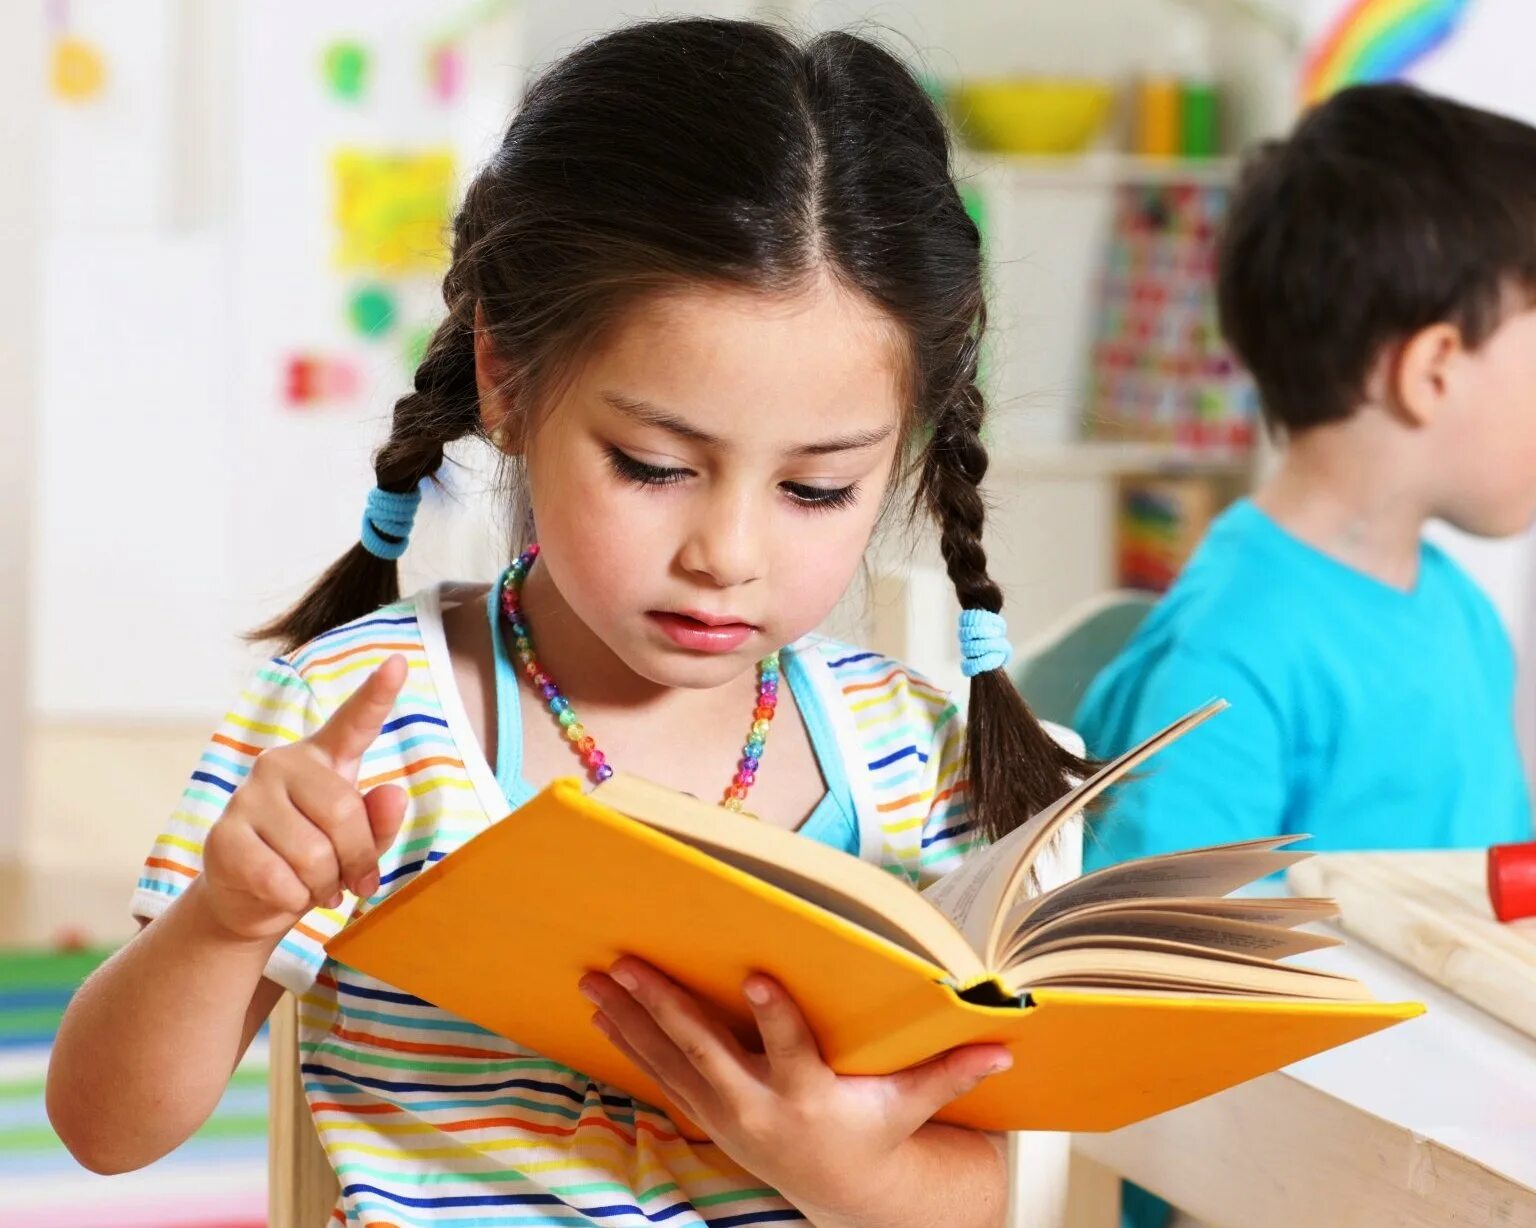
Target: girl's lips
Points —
{"points": [[696, 635]]}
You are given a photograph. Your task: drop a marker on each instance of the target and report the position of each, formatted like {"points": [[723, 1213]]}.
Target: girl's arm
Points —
{"points": [[148, 1044], [150, 1040], [943, 1175], [848, 1152]]}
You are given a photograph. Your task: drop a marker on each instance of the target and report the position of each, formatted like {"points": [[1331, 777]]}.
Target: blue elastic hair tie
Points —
{"points": [[983, 642], [392, 512]]}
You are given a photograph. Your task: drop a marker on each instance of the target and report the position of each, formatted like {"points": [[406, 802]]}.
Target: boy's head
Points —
{"points": [[1384, 256]]}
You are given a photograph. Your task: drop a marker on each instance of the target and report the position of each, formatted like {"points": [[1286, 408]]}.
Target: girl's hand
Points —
{"points": [[823, 1140], [297, 830]]}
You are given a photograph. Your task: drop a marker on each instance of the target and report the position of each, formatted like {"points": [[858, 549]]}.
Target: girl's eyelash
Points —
{"points": [[814, 498], [821, 498], [637, 471]]}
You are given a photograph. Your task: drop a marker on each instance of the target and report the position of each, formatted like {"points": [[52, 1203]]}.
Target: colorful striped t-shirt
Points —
{"points": [[428, 1119]]}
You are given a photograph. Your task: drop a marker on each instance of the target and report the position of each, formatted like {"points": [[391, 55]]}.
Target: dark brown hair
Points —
{"points": [[1387, 210], [709, 152]]}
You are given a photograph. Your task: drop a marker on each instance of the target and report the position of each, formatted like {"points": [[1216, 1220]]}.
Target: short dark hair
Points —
{"points": [[1386, 210]]}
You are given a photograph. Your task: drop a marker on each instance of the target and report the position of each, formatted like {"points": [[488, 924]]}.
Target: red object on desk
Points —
{"points": [[1512, 880]]}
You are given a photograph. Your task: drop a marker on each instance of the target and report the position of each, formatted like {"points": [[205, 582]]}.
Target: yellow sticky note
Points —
{"points": [[393, 210], [79, 69]]}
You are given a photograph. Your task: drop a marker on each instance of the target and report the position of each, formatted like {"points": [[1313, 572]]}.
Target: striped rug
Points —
{"points": [[217, 1179]]}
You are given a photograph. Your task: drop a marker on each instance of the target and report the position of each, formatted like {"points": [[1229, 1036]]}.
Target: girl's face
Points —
{"points": [[705, 486]]}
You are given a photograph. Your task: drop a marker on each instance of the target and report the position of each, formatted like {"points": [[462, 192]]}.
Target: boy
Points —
{"points": [[1377, 275]]}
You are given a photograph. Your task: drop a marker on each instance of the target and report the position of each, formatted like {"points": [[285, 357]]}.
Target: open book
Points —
{"points": [[1157, 923], [1121, 993]]}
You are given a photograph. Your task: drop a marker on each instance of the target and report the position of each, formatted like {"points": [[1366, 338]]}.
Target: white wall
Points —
{"points": [[187, 253], [21, 92]]}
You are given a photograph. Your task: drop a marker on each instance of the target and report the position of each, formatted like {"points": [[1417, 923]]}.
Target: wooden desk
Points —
{"points": [[1428, 1124]]}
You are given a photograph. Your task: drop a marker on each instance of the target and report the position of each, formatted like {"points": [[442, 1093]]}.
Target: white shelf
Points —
{"points": [[1097, 169], [1094, 459]]}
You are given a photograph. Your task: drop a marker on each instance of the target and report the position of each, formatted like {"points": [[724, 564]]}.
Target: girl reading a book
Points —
{"points": [[717, 302]]}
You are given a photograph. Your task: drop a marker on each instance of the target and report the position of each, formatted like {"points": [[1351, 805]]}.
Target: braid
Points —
{"points": [[442, 407], [1016, 767]]}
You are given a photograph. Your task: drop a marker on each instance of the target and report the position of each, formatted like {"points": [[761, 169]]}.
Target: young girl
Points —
{"points": [[714, 298]]}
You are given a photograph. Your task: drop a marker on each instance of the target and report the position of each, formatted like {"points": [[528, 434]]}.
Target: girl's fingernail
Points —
{"points": [[368, 886], [335, 900], [756, 993], [1000, 1064], [626, 979]]}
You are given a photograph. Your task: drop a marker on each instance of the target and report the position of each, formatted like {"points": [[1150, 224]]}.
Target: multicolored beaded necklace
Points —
{"points": [[576, 733]]}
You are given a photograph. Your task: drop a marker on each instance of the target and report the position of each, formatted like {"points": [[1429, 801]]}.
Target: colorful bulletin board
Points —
{"points": [[1159, 371]]}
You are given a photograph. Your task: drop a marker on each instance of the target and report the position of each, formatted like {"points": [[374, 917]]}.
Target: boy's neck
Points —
{"points": [[1346, 489]]}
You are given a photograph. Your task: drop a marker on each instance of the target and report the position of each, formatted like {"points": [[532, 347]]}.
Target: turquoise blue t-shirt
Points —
{"points": [[1369, 717]]}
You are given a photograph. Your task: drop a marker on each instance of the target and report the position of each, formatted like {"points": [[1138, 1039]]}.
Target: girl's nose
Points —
{"points": [[725, 542]]}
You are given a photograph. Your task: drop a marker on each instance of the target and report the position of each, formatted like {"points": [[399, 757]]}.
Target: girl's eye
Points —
{"points": [[821, 498], [637, 471], [818, 498]]}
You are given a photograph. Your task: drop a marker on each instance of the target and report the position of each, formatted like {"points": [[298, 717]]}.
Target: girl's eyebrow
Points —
{"points": [[655, 415]]}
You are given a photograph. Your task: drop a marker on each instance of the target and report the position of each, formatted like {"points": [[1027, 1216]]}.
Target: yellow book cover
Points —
{"points": [[1121, 994]]}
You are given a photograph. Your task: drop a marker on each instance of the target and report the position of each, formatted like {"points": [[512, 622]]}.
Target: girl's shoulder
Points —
{"points": [[879, 692], [902, 744], [335, 662], [872, 688]]}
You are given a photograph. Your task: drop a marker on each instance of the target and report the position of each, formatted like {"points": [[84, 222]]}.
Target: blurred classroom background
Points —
{"points": [[223, 243]]}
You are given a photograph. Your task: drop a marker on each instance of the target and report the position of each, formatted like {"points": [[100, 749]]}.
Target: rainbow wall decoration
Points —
{"points": [[1377, 40]]}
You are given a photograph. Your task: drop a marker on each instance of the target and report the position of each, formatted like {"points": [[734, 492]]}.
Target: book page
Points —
{"points": [[1287, 911], [1211, 872], [972, 894], [1177, 972], [826, 877], [1096, 957], [1276, 987], [976, 895], [1105, 926], [1283, 911]]}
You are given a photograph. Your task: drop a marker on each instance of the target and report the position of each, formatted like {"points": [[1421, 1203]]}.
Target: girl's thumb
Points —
{"points": [[949, 1076], [386, 811]]}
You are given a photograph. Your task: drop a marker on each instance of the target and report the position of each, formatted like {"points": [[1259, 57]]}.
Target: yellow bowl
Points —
{"points": [[1031, 114]]}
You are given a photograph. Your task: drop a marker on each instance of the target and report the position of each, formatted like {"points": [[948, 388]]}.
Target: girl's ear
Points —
{"points": [[490, 385]]}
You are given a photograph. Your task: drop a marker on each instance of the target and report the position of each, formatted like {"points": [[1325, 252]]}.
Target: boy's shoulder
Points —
{"points": [[1239, 589], [1466, 597], [1262, 601]]}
